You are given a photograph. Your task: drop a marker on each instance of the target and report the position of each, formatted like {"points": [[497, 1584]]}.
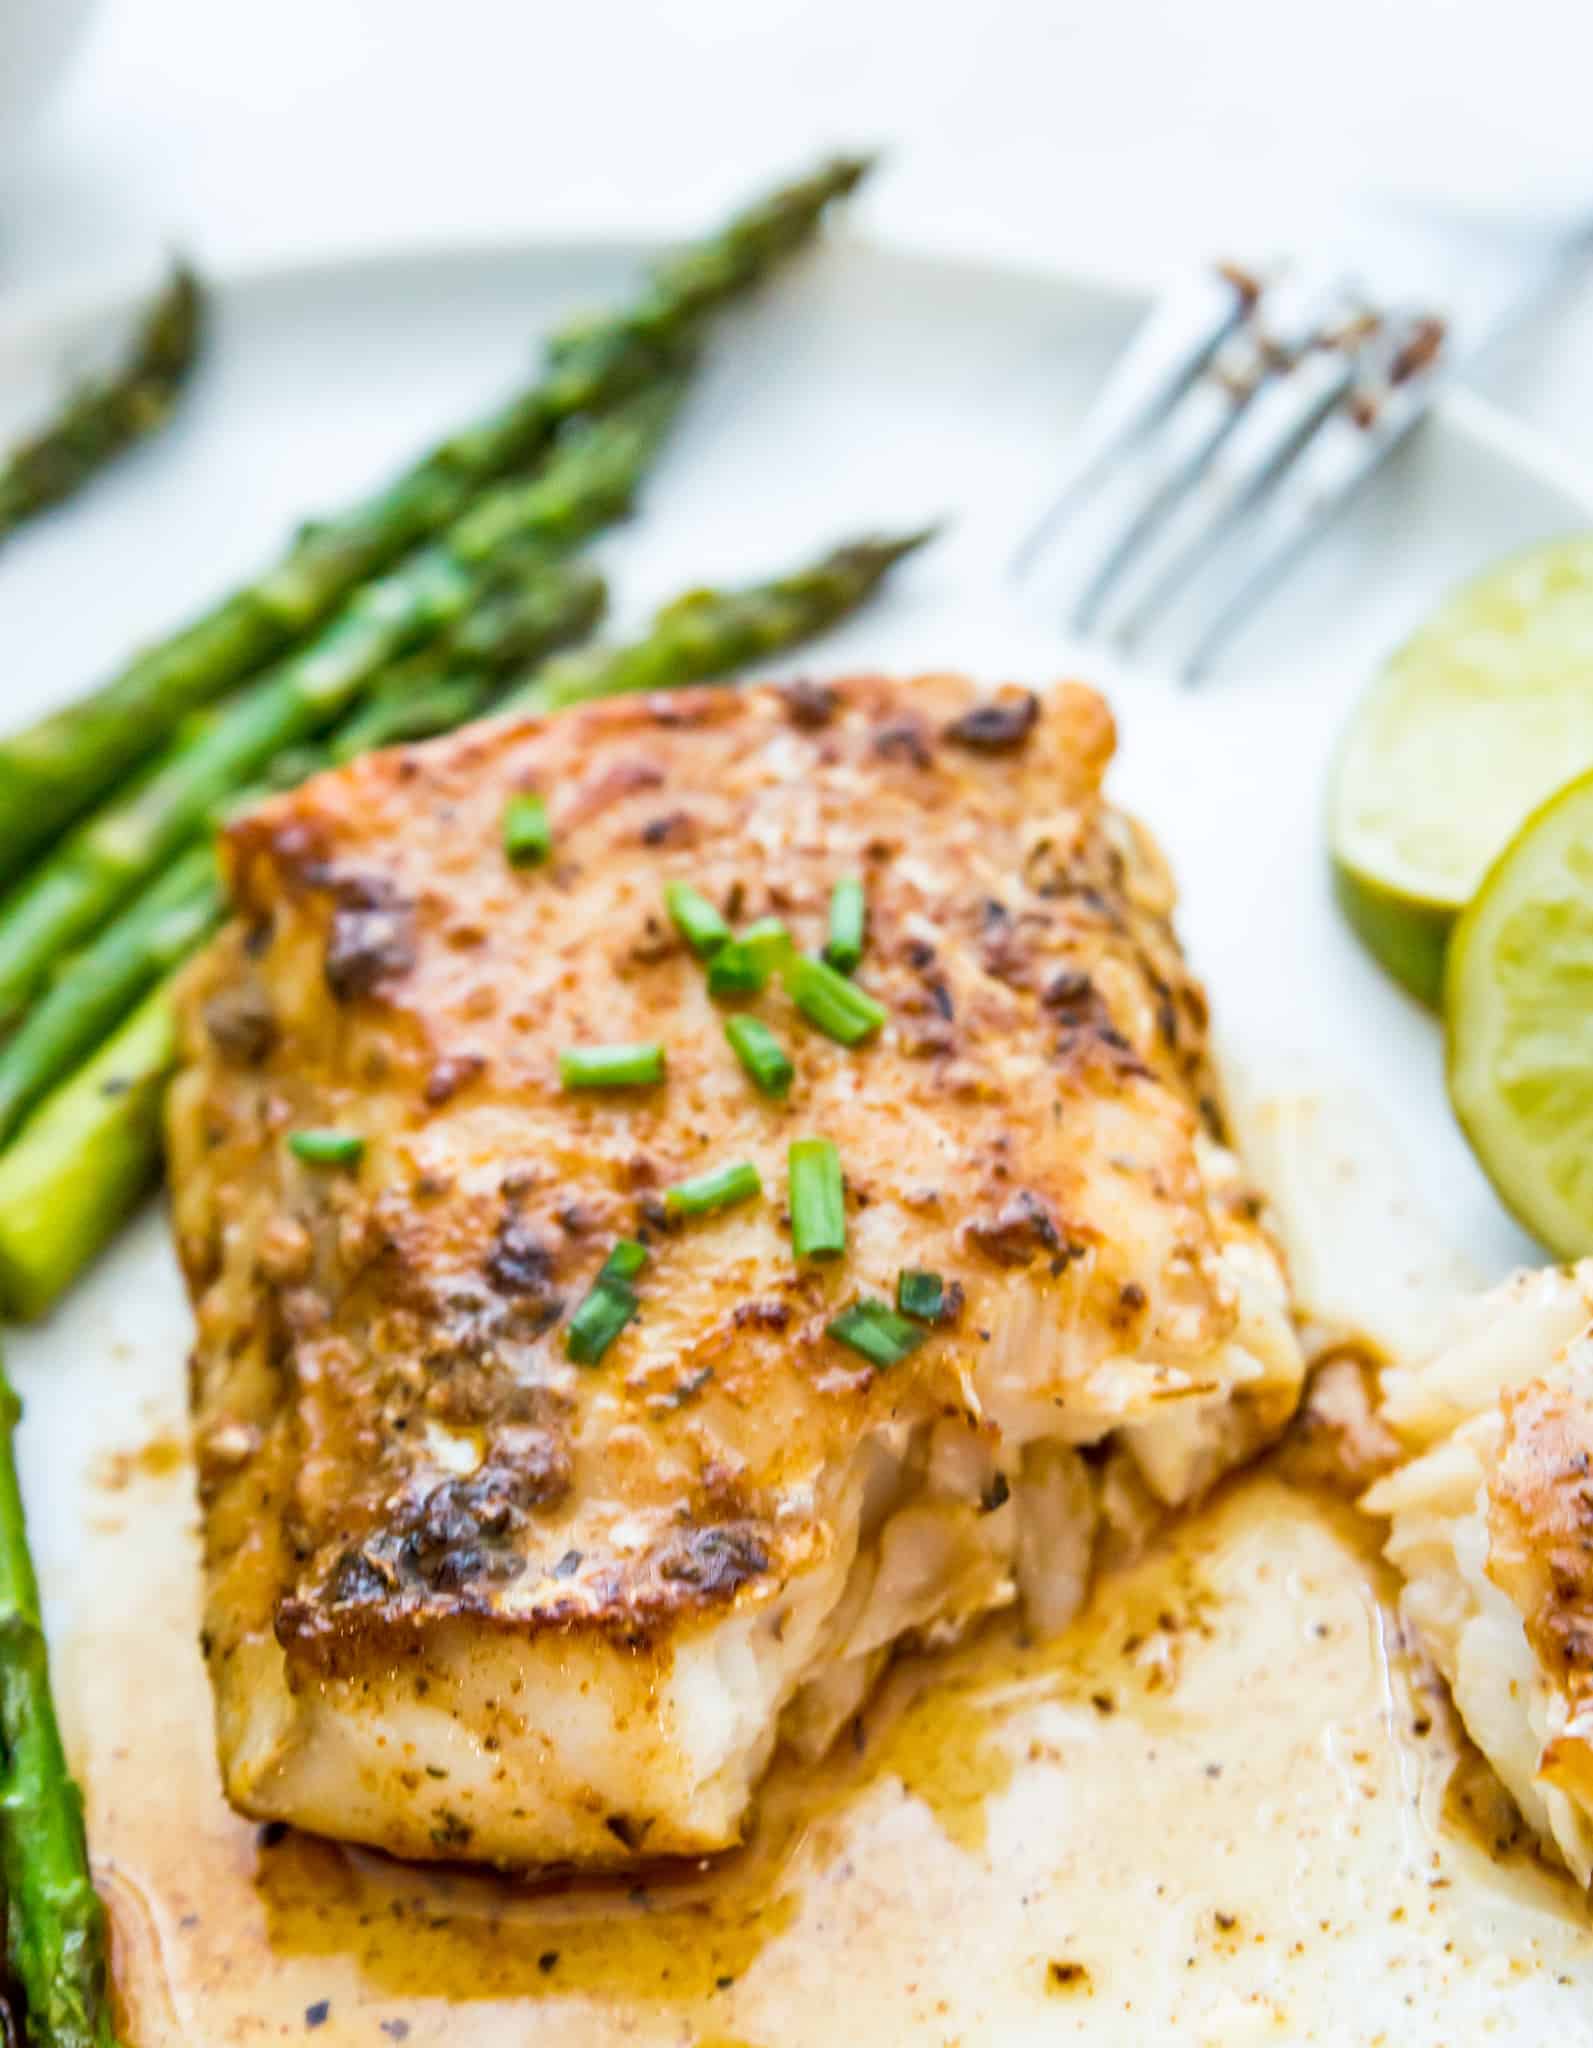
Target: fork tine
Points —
{"points": [[1411, 375], [1252, 494], [1320, 318], [1186, 370], [1411, 388], [1163, 501]]}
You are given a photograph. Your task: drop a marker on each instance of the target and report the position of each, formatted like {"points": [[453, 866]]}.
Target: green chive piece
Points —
{"points": [[876, 1332], [817, 1197], [327, 1148], [920, 1294], [761, 1054], [612, 1066], [625, 1261], [743, 967], [705, 1193], [839, 1008], [768, 942], [527, 836], [608, 1306], [696, 919], [848, 918], [736, 971]]}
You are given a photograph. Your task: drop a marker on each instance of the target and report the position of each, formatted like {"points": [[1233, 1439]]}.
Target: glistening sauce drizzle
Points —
{"points": [[1215, 1811], [1206, 1800]]}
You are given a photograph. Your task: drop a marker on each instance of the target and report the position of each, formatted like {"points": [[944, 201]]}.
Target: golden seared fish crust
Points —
{"points": [[467, 1597]]}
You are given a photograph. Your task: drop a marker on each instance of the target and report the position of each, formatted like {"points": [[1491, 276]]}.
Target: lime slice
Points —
{"points": [[1476, 720], [1518, 1013], [1405, 935]]}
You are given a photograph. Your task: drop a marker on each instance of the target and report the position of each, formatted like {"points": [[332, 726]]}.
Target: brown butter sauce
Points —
{"points": [[213, 1897]]}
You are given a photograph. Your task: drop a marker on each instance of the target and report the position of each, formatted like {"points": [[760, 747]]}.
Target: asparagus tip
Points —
{"points": [[851, 167], [871, 555], [909, 543]]}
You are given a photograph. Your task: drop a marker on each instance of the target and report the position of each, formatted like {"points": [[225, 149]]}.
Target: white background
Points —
{"points": [[1122, 134]]}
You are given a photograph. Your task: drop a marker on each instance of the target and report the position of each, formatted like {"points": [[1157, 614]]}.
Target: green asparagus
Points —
{"points": [[176, 912], [452, 681], [55, 1924], [393, 716], [103, 418], [590, 479], [707, 633], [71, 1176], [161, 927], [53, 770], [697, 279]]}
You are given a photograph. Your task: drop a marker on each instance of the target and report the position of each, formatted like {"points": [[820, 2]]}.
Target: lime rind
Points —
{"points": [[1473, 723], [1518, 1010], [1406, 938]]}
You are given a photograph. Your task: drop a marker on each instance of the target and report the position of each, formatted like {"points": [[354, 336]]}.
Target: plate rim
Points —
{"points": [[37, 308], [115, 292]]}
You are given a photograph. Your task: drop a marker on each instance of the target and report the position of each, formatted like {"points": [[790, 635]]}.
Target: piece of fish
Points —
{"points": [[1492, 1530], [467, 1597]]}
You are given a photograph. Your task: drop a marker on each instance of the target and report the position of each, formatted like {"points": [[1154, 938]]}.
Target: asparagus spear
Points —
{"points": [[160, 928], [55, 1924], [75, 1167], [101, 419], [393, 716], [83, 1159], [702, 276], [707, 633], [50, 772], [590, 478], [176, 912], [450, 682]]}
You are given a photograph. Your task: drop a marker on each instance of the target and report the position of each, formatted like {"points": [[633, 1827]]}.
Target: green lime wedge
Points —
{"points": [[1518, 1017], [1477, 719]]}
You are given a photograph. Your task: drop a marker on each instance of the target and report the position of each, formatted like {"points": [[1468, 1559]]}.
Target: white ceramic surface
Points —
{"points": [[37, 40], [872, 388]]}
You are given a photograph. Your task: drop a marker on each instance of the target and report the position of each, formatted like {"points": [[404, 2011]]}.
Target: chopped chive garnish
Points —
{"points": [[876, 1331], [767, 941], [837, 1006], [721, 1189], [920, 1294], [743, 967], [625, 1261], [527, 836], [848, 915], [761, 1054], [612, 1066], [598, 1321], [327, 1148], [818, 1199], [608, 1306], [735, 971], [696, 919]]}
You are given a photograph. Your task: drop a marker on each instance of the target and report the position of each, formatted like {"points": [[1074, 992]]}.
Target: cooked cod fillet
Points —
{"points": [[466, 1597], [1492, 1529]]}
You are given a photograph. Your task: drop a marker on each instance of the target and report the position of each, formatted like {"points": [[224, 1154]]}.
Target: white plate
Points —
{"points": [[872, 388]]}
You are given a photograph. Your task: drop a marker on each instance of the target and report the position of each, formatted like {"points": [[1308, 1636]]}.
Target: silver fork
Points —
{"points": [[1251, 410]]}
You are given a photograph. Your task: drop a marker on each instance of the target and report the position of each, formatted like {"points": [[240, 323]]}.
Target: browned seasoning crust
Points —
{"points": [[392, 1442], [1540, 1527], [1337, 1439]]}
